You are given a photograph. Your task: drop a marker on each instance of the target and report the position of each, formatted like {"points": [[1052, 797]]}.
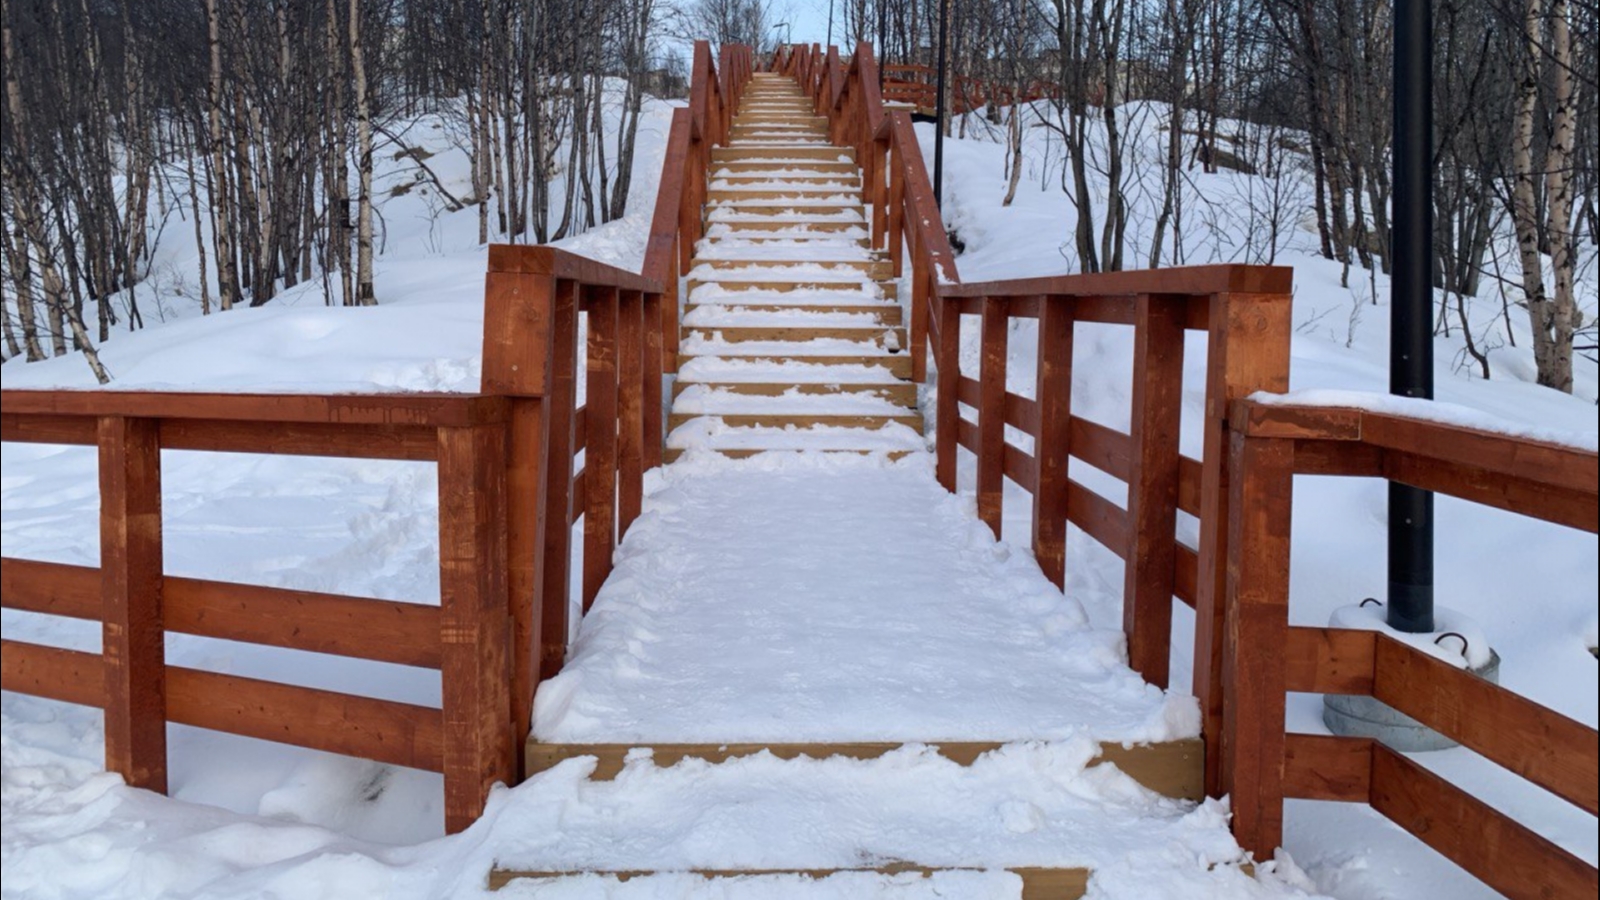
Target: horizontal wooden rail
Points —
{"points": [[352, 410], [382, 730], [1265, 658], [378, 630], [1185, 280]]}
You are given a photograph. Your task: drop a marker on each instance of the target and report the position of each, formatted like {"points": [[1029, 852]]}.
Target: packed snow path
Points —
{"points": [[836, 599]]}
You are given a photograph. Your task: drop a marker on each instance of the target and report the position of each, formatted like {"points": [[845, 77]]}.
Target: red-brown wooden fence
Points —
{"points": [[1264, 658], [466, 637], [508, 496]]}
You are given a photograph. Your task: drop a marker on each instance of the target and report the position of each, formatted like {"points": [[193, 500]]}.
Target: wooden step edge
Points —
{"points": [[902, 393], [876, 335], [801, 421], [673, 454], [880, 266], [1038, 883], [1173, 769], [887, 315], [898, 365], [890, 290]]}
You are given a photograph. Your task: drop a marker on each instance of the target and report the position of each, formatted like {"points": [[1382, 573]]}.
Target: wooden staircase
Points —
{"points": [[792, 336]]}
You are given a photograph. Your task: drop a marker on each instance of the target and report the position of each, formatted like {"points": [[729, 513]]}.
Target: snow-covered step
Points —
{"points": [[733, 370], [897, 394], [816, 248], [891, 338], [781, 152], [811, 185], [728, 315], [755, 229], [714, 435], [894, 366], [751, 416], [784, 179], [753, 265], [777, 210], [783, 194], [744, 124], [858, 290], [780, 283], [729, 312], [801, 166], [716, 400], [783, 216]]}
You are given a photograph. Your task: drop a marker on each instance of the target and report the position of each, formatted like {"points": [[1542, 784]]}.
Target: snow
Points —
{"points": [[711, 433], [1456, 639], [700, 399], [703, 315], [1434, 411], [699, 346], [253, 819], [863, 293], [734, 249], [728, 369], [803, 657]]}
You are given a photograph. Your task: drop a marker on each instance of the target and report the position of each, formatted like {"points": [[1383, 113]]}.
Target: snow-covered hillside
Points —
{"points": [[253, 819]]}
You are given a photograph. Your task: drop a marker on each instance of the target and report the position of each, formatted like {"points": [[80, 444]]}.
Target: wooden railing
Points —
{"points": [[917, 85], [678, 222], [466, 637], [1265, 658], [508, 497]]}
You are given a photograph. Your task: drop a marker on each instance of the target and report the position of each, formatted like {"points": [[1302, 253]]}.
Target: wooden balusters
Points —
{"points": [[1052, 445], [1247, 351], [1153, 484], [630, 407], [600, 445], [555, 575], [947, 415], [992, 412], [133, 639], [481, 746], [655, 326]]}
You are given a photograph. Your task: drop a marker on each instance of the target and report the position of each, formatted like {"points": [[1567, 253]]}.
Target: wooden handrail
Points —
{"points": [[1188, 280], [1264, 658]]}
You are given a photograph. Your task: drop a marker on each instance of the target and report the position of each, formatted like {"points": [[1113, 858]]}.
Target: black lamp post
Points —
{"points": [[1410, 607]]}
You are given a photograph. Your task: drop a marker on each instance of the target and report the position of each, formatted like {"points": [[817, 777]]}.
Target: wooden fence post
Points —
{"points": [[630, 407], [921, 297], [600, 448], [1053, 447], [133, 639], [897, 199], [518, 323], [555, 532], [1153, 485], [1254, 666], [1248, 351], [480, 749], [992, 413], [654, 325], [947, 414]]}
